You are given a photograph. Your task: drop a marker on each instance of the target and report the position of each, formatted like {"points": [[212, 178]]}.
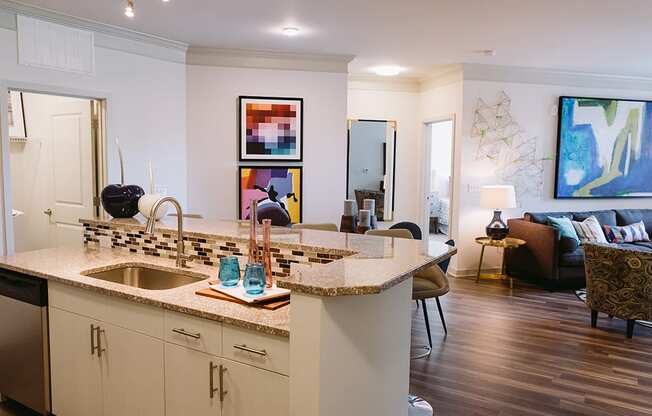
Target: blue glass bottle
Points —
{"points": [[229, 271], [254, 279]]}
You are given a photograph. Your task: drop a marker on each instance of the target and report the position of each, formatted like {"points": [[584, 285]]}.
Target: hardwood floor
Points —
{"points": [[529, 352]]}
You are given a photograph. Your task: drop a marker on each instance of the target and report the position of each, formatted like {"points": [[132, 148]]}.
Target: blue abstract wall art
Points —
{"points": [[604, 148]]}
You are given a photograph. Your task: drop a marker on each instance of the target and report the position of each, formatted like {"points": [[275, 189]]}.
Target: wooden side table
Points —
{"points": [[506, 244]]}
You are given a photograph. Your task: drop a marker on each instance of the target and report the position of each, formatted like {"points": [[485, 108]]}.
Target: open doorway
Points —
{"points": [[56, 166], [439, 183]]}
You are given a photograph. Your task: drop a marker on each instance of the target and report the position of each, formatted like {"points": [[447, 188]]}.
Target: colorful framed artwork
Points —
{"points": [[271, 129], [278, 190], [604, 148], [16, 113]]}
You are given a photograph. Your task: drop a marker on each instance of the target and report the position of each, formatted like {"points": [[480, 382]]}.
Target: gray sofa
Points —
{"points": [[547, 257]]}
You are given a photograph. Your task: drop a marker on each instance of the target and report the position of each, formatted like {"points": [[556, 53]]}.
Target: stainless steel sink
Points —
{"points": [[145, 277]]}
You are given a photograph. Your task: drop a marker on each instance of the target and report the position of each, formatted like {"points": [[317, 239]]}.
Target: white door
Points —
{"points": [[252, 391], [74, 367], [52, 173], [191, 382]]}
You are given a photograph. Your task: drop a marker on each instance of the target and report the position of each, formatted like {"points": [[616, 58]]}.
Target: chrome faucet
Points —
{"points": [[151, 223]]}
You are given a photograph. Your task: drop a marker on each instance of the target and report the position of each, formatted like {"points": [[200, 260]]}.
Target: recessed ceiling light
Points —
{"points": [[129, 10], [387, 70], [290, 31], [486, 52]]}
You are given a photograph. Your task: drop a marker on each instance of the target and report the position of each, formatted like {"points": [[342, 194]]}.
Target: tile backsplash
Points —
{"points": [[207, 250]]}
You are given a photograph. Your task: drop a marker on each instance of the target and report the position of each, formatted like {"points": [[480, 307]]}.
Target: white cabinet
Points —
{"points": [[75, 372], [191, 382], [101, 369], [110, 357], [132, 373], [252, 391]]}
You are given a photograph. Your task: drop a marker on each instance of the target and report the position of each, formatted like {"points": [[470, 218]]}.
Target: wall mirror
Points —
{"points": [[372, 164]]}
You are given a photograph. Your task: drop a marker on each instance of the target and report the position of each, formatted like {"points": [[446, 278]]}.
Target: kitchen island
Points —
{"points": [[340, 348]]}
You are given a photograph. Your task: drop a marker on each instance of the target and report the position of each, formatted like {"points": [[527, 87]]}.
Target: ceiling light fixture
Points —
{"points": [[290, 31], [387, 70], [486, 52], [130, 10]]}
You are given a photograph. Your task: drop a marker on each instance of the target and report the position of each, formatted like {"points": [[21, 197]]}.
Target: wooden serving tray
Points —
{"points": [[271, 305]]}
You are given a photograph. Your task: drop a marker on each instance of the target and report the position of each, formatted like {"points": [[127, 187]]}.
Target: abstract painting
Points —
{"points": [[278, 190], [271, 129], [16, 115], [604, 148]]}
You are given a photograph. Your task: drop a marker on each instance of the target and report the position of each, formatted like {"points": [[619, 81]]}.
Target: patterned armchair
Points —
{"points": [[619, 283]]}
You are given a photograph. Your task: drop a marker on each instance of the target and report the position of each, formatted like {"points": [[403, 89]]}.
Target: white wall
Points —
{"points": [[146, 108], [402, 107], [440, 102], [534, 107], [212, 136]]}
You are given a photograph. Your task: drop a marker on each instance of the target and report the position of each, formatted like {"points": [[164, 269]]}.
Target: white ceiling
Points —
{"points": [[597, 36]]}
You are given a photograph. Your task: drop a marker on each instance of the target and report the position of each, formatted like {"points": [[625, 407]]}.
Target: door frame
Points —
{"points": [[99, 131], [425, 176]]}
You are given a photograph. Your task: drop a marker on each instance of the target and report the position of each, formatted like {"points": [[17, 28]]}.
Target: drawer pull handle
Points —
{"points": [[243, 347], [186, 333]]}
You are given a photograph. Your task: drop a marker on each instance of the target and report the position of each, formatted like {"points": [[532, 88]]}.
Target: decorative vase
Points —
{"points": [[267, 254], [253, 220], [147, 201], [120, 200]]}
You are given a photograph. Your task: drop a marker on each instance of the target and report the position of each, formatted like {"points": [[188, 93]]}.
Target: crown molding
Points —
{"points": [[441, 76], [267, 59], [542, 76], [377, 83], [92, 25]]}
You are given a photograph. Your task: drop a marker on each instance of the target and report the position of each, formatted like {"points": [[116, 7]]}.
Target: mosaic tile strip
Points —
{"points": [[207, 251]]}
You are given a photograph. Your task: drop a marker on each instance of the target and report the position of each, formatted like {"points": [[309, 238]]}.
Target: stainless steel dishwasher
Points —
{"points": [[24, 344]]}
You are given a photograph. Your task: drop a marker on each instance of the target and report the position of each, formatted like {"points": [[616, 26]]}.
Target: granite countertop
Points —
{"points": [[66, 265], [372, 264]]}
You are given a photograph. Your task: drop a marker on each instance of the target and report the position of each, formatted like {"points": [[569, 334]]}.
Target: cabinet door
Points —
{"points": [[75, 370], [188, 382], [132, 373], [252, 391]]}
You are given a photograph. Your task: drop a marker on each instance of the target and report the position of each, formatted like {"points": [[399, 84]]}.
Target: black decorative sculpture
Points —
{"points": [[120, 200]]}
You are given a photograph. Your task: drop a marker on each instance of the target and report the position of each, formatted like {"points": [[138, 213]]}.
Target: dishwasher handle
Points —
{"points": [[24, 288]]}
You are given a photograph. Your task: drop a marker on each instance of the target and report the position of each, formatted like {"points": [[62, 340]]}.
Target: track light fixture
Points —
{"points": [[130, 11]]}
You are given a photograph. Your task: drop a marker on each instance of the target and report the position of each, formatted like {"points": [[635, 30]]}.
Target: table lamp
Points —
{"points": [[497, 197]]}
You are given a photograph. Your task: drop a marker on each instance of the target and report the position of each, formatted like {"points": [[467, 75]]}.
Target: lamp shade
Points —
{"points": [[498, 197]]}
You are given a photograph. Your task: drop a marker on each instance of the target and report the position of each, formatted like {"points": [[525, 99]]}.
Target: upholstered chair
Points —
{"points": [[320, 227], [619, 283]]}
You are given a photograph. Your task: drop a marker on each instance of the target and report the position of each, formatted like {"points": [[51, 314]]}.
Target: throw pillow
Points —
{"points": [[626, 234], [565, 227], [589, 230]]}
